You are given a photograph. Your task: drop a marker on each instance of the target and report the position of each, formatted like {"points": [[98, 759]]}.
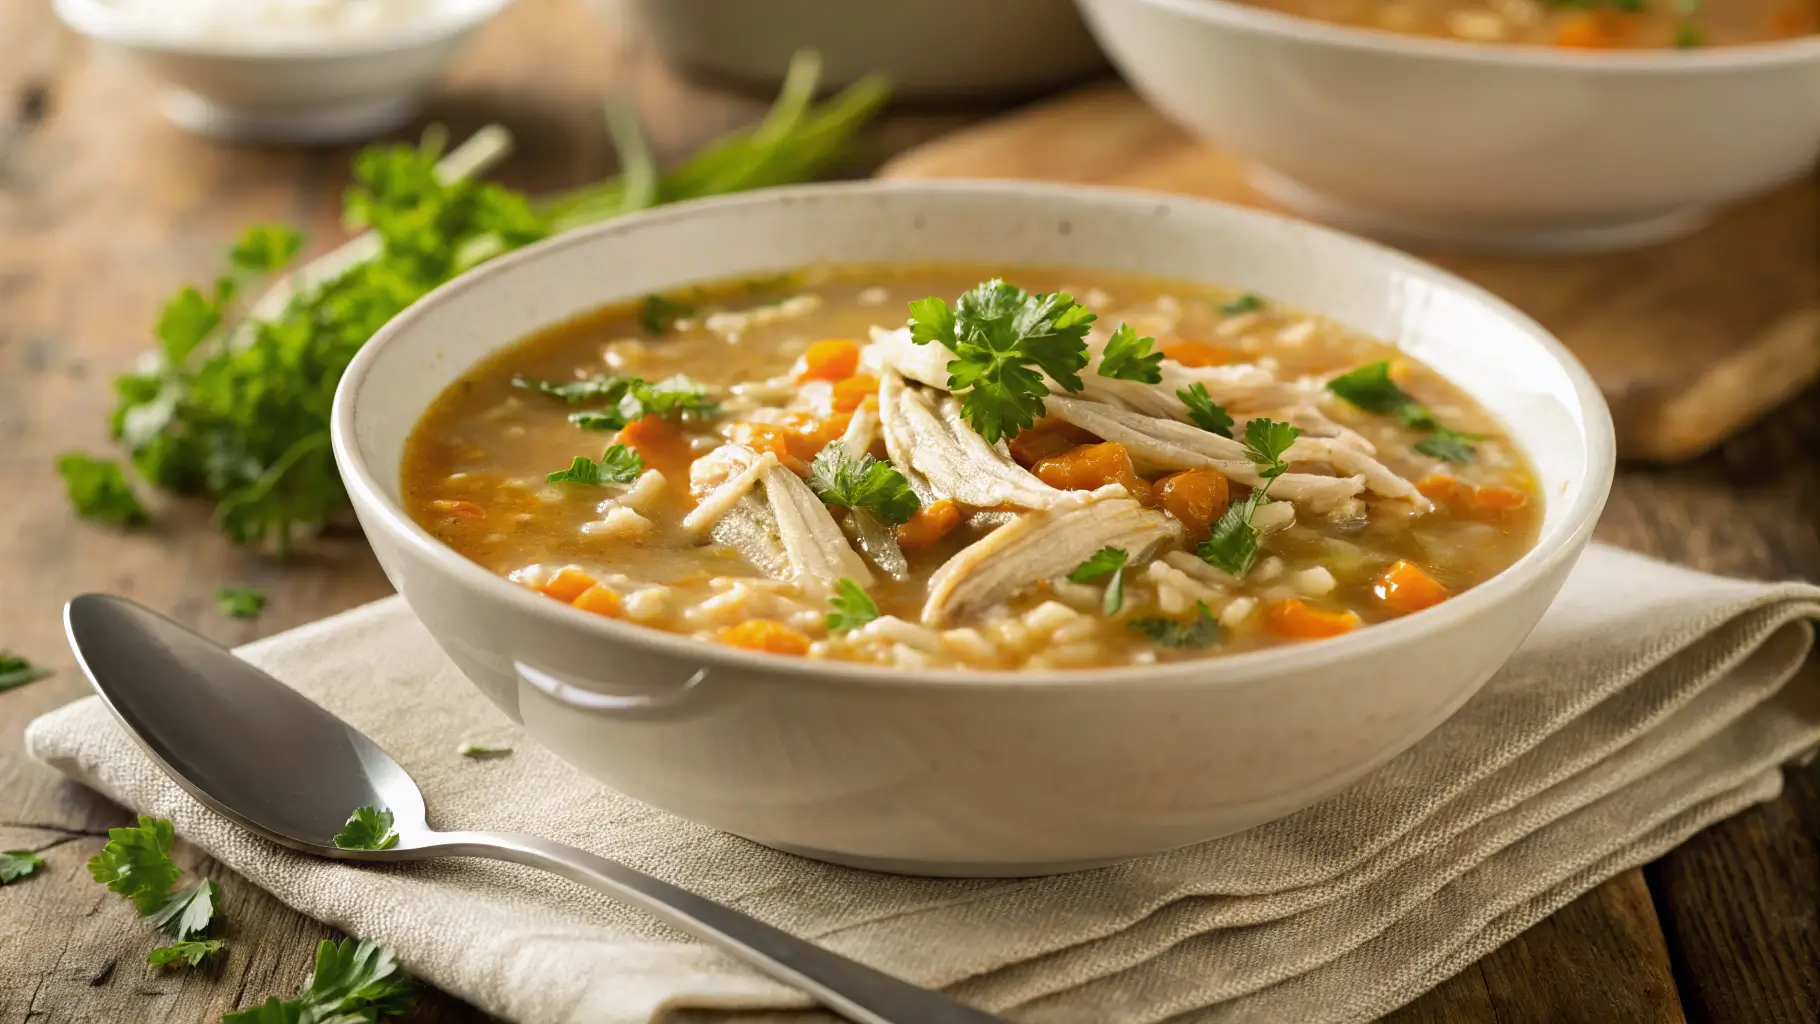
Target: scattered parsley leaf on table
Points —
{"points": [[368, 828], [618, 465], [1004, 340], [354, 983], [1128, 357], [1106, 561], [1370, 388], [1201, 631], [866, 482], [480, 753], [1232, 545], [849, 607], [1204, 411], [240, 602], [136, 863], [99, 491], [189, 913], [15, 671], [188, 953], [17, 864]]}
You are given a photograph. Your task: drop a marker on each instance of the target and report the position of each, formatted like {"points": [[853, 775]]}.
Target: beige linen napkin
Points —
{"points": [[1649, 703]]}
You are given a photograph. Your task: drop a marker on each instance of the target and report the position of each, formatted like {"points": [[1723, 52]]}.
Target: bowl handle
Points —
{"points": [[582, 698]]}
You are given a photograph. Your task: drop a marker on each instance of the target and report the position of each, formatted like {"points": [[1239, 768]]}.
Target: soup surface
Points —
{"points": [[783, 465], [1577, 24]]}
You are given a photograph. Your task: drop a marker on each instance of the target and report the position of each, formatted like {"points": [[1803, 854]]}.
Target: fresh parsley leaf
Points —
{"points": [[265, 248], [368, 828], [15, 671], [1201, 631], [673, 396], [354, 983], [1129, 357], [605, 421], [865, 482], [98, 490], [1265, 442], [1246, 303], [1004, 340], [849, 607], [1204, 411], [1106, 561], [1370, 388], [1447, 445], [189, 953], [240, 602], [627, 398], [136, 863], [186, 322], [1232, 545], [618, 465], [658, 313], [609, 388], [17, 864], [189, 913]]}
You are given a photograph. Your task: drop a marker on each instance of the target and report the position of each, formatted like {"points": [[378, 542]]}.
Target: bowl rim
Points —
{"points": [[1564, 543], [1232, 13], [98, 20]]}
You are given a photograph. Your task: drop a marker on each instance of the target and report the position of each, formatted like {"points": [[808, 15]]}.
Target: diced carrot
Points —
{"points": [[1295, 619], [769, 437], [1092, 466], [1197, 353], [830, 359], [929, 525], [851, 393], [1047, 438], [1439, 487], [808, 435], [1405, 587], [1196, 498], [1581, 32], [658, 441], [567, 585], [764, 635], [456, 509], [1494, 500], [599, 600]]}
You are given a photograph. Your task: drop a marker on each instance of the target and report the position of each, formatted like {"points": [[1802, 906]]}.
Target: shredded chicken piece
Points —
{"points": [[953, 460], [717, 502]]}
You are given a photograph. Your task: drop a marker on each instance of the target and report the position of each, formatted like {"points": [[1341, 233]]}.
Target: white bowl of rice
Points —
{"points": [[310, 71]]}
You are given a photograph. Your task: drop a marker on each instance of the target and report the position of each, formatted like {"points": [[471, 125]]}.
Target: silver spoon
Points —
{"points": [[268, 759]]}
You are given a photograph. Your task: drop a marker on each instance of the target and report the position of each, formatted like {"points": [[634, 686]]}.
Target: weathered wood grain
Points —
{"points": [[104, 208]]}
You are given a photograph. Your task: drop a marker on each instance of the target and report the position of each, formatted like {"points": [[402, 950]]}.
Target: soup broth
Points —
{"points": [[781, 465], [1589, 25]]}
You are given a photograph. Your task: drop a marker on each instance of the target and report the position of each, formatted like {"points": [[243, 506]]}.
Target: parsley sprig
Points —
{"points": [[15, 671], [98, 490], [1129, 357], [626, 398], [368, 828], [1107, 561], [1201, 631], [1370, 388], [849, 607], [867, 483], [1232, 545], [354, 983], [1204, 411], [240, 602], [17, 864], [136, 863], [618, 465]]}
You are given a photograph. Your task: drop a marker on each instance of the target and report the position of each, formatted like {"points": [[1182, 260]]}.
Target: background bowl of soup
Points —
{"points": [[971, 772], [1506, 144]]}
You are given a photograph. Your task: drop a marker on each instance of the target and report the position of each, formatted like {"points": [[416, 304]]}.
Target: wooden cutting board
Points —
{"points": [[1690, 341]]}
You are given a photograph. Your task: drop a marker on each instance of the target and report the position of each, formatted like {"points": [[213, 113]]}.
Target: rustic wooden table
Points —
{"points": [[104, 209]]}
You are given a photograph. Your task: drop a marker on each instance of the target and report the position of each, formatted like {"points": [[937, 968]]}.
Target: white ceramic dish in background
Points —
{"points": [[304, 88], [952, 772], [1471, 144], [930, 49]]}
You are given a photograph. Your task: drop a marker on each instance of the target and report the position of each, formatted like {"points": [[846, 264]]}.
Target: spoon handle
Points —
{"points": [[852, 989]]}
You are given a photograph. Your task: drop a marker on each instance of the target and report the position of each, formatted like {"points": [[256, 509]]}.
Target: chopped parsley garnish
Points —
{"points": [[189, 953], [1246, 303], [234, 407], [1129, 357], [1370, 388], [618, 465], [587, 389], [1201, 631], [136, 863], [1004, 340], [1105, 562], [190, 913], [368, 828], [872, 484], [849, 607], [1232, 545], [98, 490], [354, 983], [480, 753], [1204, 411], [17, 864], [240, 602], [658, 313], [16, 671], [627, 398]]}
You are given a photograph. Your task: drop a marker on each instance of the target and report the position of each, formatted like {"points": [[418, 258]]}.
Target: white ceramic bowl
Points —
{"points": [[298, 88], [1468, 144], [930, 49], [952, 772]]}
